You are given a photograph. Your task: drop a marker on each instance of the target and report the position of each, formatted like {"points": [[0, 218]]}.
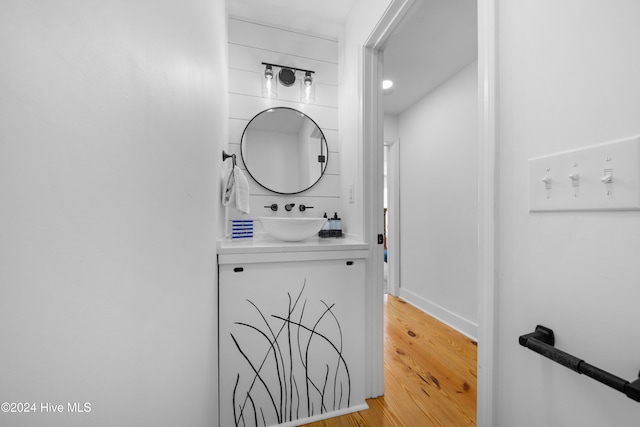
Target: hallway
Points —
{"points": [[430, 375]]}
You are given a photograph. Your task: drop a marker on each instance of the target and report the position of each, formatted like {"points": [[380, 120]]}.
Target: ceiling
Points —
{"points": [[321, 17], [436, 40]]}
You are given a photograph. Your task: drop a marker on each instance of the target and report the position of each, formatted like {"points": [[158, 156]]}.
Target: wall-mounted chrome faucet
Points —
{"points": [[289, 207], [304, 208], [273, 207]]}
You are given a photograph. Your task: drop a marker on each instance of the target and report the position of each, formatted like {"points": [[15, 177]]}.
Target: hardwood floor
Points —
{"points": [[430, 375]]}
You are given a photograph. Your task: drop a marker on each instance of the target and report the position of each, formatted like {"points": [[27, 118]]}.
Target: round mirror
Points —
{"points": [[284, 150]]}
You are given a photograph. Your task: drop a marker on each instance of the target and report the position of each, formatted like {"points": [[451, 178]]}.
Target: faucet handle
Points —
{"points": [[273, 207], [304, 208]]}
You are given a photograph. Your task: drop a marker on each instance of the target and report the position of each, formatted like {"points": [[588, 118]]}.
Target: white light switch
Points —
{"points": [[350, 193], [584, 179]]}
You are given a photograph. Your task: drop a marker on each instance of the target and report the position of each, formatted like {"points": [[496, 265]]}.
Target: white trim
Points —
{"points": [[487, 119], [389, 22], [393, 220], [373, 183], [460, 324], [290, 256], [370, 121], [332, 414]]}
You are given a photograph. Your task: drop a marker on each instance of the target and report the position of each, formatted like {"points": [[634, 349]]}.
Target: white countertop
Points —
{"points": [[264, 243]]}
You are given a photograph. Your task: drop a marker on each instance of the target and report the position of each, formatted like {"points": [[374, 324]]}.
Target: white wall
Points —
{"points": [[391, 123], [568, 78], [438, 202], [362, 20], [391, 135], [112, 114], [250, 44]]}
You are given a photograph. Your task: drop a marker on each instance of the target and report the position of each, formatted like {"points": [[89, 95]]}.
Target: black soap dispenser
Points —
{"points": [[326, 228], [336, 226]]}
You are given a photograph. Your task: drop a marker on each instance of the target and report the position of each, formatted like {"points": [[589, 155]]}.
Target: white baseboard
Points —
{"points": [[326, 415], [460, 324]]}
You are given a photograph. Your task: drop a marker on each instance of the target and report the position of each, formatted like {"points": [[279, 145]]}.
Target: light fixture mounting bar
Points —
{"points": [[286, 66]]}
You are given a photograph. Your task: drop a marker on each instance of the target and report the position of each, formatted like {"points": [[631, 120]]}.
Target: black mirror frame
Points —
{"points": [[325, 156]]}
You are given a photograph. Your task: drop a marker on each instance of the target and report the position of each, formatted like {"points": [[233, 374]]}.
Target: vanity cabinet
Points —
{"points": [[291, 336]]}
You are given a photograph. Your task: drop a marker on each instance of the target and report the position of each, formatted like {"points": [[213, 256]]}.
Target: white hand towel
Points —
{"points": [[241, 190], [228, 187], [235, 190]]}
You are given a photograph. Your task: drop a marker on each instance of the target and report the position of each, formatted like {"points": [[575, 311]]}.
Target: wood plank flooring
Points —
{"points": [[430, 375]]}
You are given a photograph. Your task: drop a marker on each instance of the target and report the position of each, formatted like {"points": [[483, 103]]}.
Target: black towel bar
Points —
{"points": [[542, 341]]}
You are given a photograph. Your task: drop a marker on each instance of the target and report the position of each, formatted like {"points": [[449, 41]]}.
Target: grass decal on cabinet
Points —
{"points": [[294, 363]]}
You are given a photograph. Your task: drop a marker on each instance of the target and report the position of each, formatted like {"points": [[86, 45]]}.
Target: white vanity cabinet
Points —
{"points": [[291, 336]]}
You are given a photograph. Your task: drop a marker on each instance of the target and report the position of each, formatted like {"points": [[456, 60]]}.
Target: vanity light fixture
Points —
{"points": [[287, 77], [307, 89], [269, 83]]}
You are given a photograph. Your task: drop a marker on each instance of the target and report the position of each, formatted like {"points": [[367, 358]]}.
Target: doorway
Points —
{"points": [[435, 110], [372, 118]]}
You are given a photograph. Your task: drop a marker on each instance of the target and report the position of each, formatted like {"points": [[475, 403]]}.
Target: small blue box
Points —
{"points": [[241, 228]]}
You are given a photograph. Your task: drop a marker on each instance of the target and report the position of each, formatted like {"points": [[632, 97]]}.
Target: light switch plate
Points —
{"points": [[350, 193], [579, 179]]}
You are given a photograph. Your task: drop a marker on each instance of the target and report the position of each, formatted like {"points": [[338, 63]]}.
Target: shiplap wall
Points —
{"points": [[250, 44]]}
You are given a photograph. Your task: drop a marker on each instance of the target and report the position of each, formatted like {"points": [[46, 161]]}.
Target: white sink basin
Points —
{"points": [[292, 229]]}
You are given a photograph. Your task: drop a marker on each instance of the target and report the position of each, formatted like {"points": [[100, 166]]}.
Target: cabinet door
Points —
{"points": [[291, 340]]}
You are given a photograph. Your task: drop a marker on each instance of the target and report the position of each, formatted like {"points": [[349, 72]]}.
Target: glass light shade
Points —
{"points": [[307, 89], [269, 83]]}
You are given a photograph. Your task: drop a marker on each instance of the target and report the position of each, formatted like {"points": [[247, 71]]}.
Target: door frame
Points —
{"points": [[393, 217], [371, 119], [371, 124], [487, 246]]}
